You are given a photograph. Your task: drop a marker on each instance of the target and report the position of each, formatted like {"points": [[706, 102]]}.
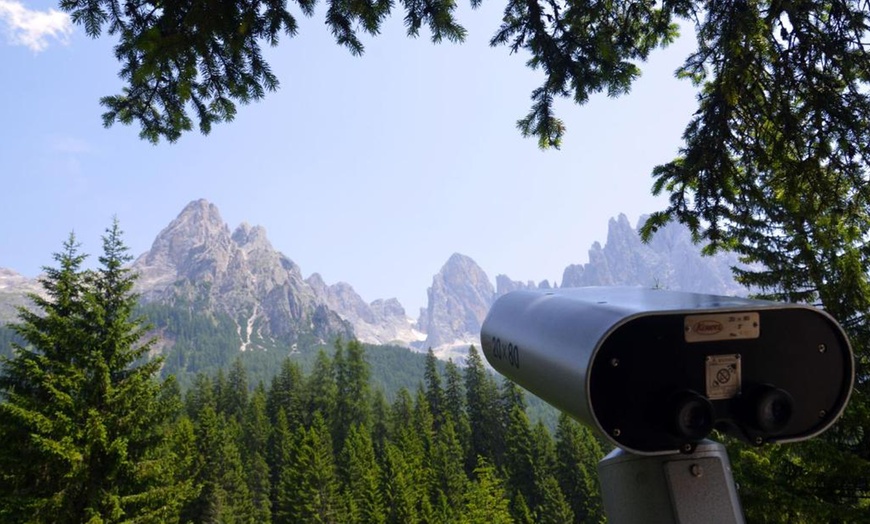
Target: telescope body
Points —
{"points": [[655, 371]]}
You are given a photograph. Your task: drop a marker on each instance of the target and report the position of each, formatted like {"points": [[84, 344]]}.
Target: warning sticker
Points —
{"points": [[723, 376]]}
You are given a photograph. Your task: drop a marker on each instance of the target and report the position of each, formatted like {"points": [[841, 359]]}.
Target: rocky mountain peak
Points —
{"points": [[670, 260], [458, 301], [199, 223], [251, 237], [196, 243], [12, 281], [14, 288], [382, 321], [196, 260]]}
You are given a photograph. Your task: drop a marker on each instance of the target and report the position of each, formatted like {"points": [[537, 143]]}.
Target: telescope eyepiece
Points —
{"points": [[693, 416], [772, 409]]}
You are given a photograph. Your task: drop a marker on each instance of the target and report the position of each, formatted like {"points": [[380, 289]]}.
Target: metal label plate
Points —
{"points": [[722, 326]]}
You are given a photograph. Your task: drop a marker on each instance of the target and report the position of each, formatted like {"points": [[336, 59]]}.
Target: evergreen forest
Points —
{"points": [[98, 428], [96, 432]]}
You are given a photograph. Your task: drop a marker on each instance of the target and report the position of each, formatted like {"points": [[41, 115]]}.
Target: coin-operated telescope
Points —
{"points": [[656, 371]]}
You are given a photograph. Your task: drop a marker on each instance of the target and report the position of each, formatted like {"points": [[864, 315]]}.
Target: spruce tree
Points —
{"points": [[448, 474], [398, 485], [255, 445], [483, 411], [80, 417], [353, 402], [520, 461], [455, 404], [487, 501], [320, 390], [283, 443], [310, 481], [434, 391], [287, 392], [362, 479], [552, 507], [224, 494], [233, 399], [578, 454]]}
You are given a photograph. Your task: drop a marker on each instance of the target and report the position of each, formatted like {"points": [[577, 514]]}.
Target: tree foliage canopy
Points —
{"points": [[82, 419]]}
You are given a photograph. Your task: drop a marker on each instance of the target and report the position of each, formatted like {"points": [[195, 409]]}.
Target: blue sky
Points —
{"points": [[370, 170]]}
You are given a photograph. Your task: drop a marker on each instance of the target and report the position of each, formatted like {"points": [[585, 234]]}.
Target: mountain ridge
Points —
{"points": [[197, 261]]}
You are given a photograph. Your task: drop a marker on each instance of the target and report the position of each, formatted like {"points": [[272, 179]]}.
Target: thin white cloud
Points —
{"points": [[33, 29]]}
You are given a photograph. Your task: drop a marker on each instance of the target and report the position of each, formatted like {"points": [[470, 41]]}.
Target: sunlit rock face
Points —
{"points": [[670, 261], [196, 260], [379, 322], [458, 301], [14, 289]]}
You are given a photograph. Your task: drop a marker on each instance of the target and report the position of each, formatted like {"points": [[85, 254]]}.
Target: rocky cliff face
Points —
{"points": [[461, 293], [196, 260], [381, 322], [669, 261], [459, 298], [13, 293]]}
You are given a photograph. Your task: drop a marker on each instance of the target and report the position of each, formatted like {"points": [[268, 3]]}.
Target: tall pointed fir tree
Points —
{"points": [[486, 501], [353, 399], [483, 413], [449, 482], [223, 491], [434, 392], [577, 456], [82, 427], [287, 392], [255, 446], [361, 482], [310, 482]]}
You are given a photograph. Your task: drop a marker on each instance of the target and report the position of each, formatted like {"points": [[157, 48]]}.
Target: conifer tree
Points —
{"points": [[423, 423], [362, 478], [287, 392], [320, 390], [80, 418], [552, 507], [224, 494], [454, 392], [233, 400], [520, 466], [401, 412], [483, 414], [448, 474], [353, 402], [578, 454], [200, 395], [455, 404], [255, 445], [282, 448], [380, 421], [487, 501], [406, 462], [398, 484], [434, 391], [311, 480]]}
